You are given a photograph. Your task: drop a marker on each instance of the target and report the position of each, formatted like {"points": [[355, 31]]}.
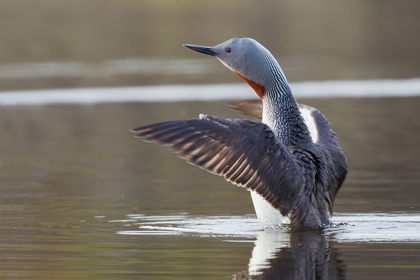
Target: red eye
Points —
{"points": [[228, 49]]}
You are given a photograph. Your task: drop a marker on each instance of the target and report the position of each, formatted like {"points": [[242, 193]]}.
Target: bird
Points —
{"points": [[290, 160]]}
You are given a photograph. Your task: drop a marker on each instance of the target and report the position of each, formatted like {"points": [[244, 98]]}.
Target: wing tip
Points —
{"points": [[138, 132]]}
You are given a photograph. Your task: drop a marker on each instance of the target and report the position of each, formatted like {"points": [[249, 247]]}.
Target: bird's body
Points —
{"points": [[291, 161]]}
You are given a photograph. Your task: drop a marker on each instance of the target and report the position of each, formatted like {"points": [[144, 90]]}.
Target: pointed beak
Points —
{"points": [[202, 49]]}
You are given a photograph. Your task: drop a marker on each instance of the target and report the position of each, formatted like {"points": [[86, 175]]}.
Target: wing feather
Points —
{"points": [[244, 152], [324, 137]]}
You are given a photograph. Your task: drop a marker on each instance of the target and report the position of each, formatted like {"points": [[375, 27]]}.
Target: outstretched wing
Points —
{"points": [[244, 152]]}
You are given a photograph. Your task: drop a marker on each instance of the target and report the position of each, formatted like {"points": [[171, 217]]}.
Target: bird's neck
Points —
{"points": [[281, 113], [280, 110], [258, 88]]}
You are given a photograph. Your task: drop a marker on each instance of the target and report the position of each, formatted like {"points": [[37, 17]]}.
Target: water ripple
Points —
{"points": [[361, 227]]}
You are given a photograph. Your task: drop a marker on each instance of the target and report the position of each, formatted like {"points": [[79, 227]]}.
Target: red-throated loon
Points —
{"points": [[291, 161]]}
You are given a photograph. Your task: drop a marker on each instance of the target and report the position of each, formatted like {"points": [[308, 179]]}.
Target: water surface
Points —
{"points": [[69, 44], [81, 198]]}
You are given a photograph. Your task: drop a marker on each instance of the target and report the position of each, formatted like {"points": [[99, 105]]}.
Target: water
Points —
{"points": [[69, 44], [209, 92], [81, 198]]}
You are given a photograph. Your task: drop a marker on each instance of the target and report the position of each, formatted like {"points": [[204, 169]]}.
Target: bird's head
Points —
{"points": [[248, 59]]}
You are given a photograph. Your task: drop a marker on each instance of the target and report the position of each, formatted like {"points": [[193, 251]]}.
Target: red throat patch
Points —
{"points": [[259, 89]]}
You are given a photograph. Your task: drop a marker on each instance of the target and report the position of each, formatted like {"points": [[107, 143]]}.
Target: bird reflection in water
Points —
{"points": [[296, 255]]}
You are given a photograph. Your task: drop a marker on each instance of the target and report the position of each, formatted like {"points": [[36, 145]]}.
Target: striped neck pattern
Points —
{"points": [[280, 110]]}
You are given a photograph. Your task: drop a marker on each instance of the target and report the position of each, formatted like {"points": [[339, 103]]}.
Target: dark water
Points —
{"points": [[81, 198]]}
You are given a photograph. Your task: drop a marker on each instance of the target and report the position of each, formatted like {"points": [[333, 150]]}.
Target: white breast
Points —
{"points": [[267, 215]]}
